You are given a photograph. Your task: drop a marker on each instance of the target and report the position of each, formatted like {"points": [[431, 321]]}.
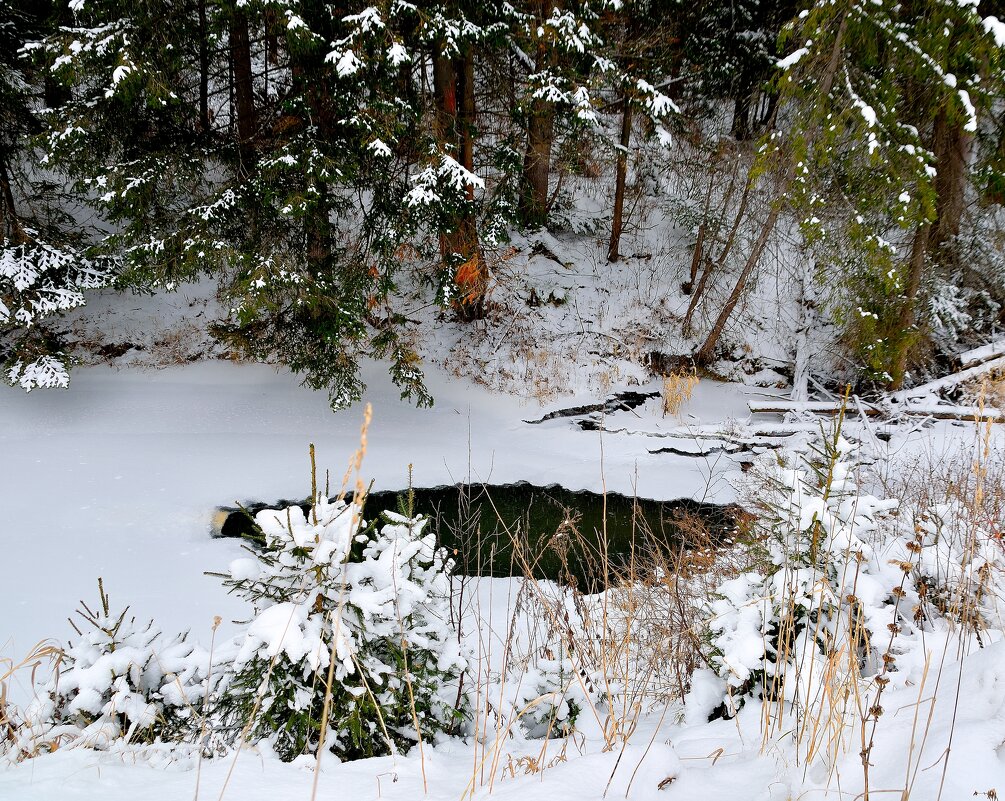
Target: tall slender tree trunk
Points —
{"points": [[472, 277], [617, 223], [727, 248], [994, 189], [10, 226], [203, 68], [952, 150], [540, 136], [244, 95], [445, 96], [707, 350], [802, 355], [699, 246], [272, 27], [741, 128], [465, 69], [537, 165], [907, 320], [460, 250], [951, 145]]}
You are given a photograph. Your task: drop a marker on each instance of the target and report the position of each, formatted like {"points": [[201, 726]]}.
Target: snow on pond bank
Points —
{"points": [[117, 477], [665, 761]]}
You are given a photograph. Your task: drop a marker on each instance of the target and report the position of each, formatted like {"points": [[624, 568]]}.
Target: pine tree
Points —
{"points": [[645, 58], [44, 264], [350, 641], [853, 157], [566, 61], [296, 200]]}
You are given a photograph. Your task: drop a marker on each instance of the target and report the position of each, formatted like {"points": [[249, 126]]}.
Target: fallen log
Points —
{"points": [[946, 382], [985, 353], [727, 449], [815, 407], [939, 411]]}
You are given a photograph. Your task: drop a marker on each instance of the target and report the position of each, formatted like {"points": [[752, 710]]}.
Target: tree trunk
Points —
{"points": [[617, 223], [906, 322], [244, 96], [807, 318], [699, 246], [445, 94], [707, 350], [472, 277], [10, 225], [318, 232], [767, 121], [727, 248], [537, 165], [465, 68], [203, 68], [951, 146], [540, 135], [696, 258], [740, 130], [272, 28], [460, 250]]}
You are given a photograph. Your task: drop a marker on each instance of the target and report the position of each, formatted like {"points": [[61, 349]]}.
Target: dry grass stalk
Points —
{"points": [[11, 722], [633, 637], [359, 496]]}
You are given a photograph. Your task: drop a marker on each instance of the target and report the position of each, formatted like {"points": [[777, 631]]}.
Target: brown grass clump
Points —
{"points": [[678, 386], [996, 389], [11, 722]]}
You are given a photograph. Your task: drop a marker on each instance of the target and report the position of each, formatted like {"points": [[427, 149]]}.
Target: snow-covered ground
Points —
{"points": [[118, 476]]}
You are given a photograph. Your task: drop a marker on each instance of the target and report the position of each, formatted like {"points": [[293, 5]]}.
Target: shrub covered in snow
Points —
{"points": [[362, 608], [959, 565], [540, 695], [346, 615], [552, 697], [118, 681], [853, 597], [773, 633]]}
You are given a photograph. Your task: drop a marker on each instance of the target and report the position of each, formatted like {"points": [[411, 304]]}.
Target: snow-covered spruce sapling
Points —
{"points": [[119, 681], [549, 698], [373, 598], [771, 632]]}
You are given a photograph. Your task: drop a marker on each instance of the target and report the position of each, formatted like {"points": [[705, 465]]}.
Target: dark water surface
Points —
{"points": [[550, 532]]}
